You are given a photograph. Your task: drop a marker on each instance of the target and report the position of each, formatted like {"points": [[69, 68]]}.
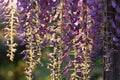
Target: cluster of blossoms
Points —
{"points": [[73, 28], [9, 14], [114, 20], [28, 33], [112, 31], [78, 68]]}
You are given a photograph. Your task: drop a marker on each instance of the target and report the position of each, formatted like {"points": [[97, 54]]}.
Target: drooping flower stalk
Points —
{"points": [[85, 31], [9, 14], [114, 21], [107, 41], [83, 47], [29, 32], [56, 56], [79, 30], [112, 31]]}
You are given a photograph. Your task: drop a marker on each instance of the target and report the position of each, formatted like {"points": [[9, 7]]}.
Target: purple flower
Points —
{"points": [[68, 78], [93, 12], [43, 4], [105, 19], [65, 71], [118, 31], [69, 1], [115, 39], [74, 8], [117, 17], [112, 24], [44, 18], [55, 3], [23, 52], [113, 3], [2, 16], [118, 9], [117, 44], [66, 57], [25, 58], [21, 37], [79, 39], [71, 35], [91, 2]]}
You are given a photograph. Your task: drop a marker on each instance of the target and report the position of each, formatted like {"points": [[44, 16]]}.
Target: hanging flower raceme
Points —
{"points": [[112, 31], [77, 19], [55, 58], [9, 14], [96, 13], [114, 22], [30, 32]]}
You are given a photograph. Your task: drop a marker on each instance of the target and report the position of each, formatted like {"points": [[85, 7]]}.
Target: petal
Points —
{"points": [[117, 18], [115, 39], [113, 3], [112, 24], [118, 9]]}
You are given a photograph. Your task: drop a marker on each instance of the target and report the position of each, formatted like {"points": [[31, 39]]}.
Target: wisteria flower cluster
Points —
{"points": [[9, 13], [75, 29], [111, 31]]}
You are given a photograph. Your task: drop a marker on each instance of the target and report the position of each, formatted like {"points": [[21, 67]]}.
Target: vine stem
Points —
{"points": [[60, 44], [11, 44]]}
